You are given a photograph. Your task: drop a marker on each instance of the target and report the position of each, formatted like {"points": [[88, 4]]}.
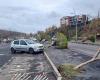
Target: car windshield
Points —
{"points": [[30, 41]]}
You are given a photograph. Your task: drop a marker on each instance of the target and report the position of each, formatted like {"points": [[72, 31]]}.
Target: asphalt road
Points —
{"points": [[76, 54], [89, 50], [37, 64], [20, 63], [4, 53]]}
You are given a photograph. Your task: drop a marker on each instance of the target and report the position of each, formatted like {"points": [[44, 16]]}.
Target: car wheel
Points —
{"points": [[13, 51], [31, 50], [42, 52]]}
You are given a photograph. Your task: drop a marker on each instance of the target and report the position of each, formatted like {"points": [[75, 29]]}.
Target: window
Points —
{"points": [[30, 41], [16, 42], [22, 42]]}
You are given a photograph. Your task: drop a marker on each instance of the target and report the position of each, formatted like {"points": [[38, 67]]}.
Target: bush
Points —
{"points": [[42, 36], [92, 38], [67, 71], [62, 41]]}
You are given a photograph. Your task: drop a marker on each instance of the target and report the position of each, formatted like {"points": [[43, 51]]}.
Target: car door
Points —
{"points": [[16, 45], [23, 45]]}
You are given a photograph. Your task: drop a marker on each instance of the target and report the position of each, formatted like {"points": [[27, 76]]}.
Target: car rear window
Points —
{"points": [[16, 42]]}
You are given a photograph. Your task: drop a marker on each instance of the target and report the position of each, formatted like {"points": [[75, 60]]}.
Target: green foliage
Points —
{"points": [[92, 38], [42, 35], [47, 37], [62, 41], [67, 71]]}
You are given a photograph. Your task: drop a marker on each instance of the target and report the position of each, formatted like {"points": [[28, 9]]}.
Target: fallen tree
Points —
{"points": [[95, 57]]}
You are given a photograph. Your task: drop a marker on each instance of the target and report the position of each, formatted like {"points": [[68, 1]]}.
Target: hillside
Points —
{"points": [[10, 34]]}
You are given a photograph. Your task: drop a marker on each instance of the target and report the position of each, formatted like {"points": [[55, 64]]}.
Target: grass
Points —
{"points": [[67, 71]]}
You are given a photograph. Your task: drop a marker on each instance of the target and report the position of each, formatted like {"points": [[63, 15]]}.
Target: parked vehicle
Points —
{"points": [[26, 45]]}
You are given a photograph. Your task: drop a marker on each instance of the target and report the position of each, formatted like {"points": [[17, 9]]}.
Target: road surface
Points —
{"points": [[23, 63], [76, 54], [89, 50]]}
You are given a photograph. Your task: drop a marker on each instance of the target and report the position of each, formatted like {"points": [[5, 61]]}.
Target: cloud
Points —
{"points": [[19, 18], [84, 6], [31, 15]]}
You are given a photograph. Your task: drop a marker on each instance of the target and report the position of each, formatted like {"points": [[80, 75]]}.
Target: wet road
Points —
{"points": [[76, 54], [4, 53], [23, 63], [89, 50]]}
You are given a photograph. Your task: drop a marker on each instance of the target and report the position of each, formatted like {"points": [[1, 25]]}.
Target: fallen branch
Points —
{"points": [[91, 60]]}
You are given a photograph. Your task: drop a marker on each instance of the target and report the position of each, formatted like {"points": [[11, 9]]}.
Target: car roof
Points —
{"points": [[21, 39]]}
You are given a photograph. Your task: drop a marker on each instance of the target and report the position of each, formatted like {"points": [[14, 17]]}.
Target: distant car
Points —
{"points": [[53, 43], [26, 45]]}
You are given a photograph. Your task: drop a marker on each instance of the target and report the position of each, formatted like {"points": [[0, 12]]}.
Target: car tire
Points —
{"points": [[31, 50], [42, 52], [13, 50]]}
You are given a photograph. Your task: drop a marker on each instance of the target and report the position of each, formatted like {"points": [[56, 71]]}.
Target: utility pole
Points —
{"points": [[76, 29], [76, 25], [76, 36]]}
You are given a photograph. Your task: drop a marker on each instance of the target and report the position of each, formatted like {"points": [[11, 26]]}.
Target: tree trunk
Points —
{"points": [[91, 60]]}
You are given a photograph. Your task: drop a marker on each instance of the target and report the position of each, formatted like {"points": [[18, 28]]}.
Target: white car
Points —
{"points": [[26, 45]]}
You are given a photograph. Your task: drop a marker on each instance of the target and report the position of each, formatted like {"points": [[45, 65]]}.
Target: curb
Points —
{"points": [[87, 43], [56, 72]]}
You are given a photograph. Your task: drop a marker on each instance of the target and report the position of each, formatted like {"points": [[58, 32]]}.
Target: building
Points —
{"points": [[80, 20], [66, 20]]}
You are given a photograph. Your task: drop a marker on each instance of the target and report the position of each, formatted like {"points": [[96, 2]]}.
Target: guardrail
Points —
{"points": [[56, 72]]}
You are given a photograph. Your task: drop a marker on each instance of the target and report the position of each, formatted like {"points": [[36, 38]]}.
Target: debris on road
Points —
{"points": [[96, 56]]}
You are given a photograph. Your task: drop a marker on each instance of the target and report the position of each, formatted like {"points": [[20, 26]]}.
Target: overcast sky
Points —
{"points": [[34, 15]]}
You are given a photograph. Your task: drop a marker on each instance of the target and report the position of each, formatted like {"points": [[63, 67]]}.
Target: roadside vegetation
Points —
{"points": [[92, 30], [92, 38], [88, 32], [67, 71], [62, 41], [64, 34]]}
